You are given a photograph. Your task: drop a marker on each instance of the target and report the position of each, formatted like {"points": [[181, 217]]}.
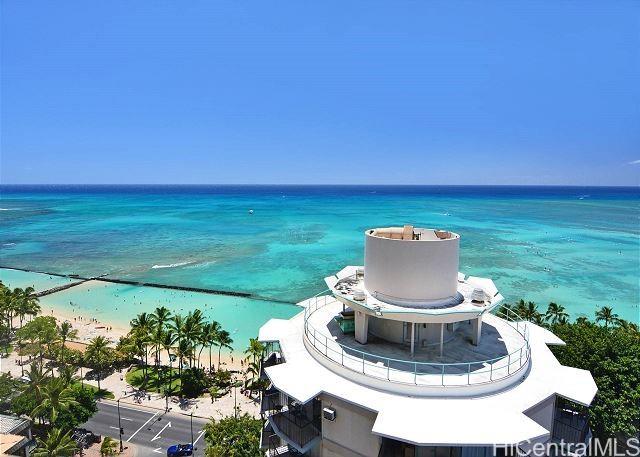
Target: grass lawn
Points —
{"points": [[98, 393], [156, 379]]}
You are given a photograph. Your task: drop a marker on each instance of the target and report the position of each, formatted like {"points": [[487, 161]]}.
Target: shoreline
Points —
{"points": [[88, 329]]}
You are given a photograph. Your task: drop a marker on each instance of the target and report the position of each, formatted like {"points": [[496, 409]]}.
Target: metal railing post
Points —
{"points": [[415, 373], [388, 368], [509, 365], [491, 372], [442, 381], [468, 374]]}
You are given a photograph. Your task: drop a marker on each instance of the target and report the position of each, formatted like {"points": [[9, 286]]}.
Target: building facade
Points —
{"points": [[406, 356]]}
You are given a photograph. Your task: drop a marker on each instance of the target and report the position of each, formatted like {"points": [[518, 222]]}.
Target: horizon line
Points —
{"points": [[315, 185]]}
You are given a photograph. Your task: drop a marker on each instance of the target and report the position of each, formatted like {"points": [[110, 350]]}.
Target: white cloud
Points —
{"points": [[635, 162]]}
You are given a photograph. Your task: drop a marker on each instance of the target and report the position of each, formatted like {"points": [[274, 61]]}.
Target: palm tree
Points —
{"points": [[224, 340], [6, 297], [56, 396], [208, 337], [629, 326], [159, 319], [167, 343], [26, 303], [183, 350], [529, 311], [211, 337], [555, 313], [98, 354], [177, 325], [255, 350], [109, 447], [66, 332], [191, 331], [607, 315], [57, 444], [141, 328], [37, 381]]}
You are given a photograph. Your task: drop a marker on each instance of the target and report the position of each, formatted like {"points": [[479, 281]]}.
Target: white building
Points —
{"points": [[408, 357]]}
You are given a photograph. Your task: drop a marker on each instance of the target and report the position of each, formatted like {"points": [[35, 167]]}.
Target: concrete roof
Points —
{"points": [[11, 443], [481, 421], [12, 424]]}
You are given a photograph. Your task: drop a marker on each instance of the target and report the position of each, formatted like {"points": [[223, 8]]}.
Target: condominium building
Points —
{"points": [[406, 356]]}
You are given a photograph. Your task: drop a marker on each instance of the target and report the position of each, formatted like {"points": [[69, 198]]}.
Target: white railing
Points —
{"points": [[418, 373]]}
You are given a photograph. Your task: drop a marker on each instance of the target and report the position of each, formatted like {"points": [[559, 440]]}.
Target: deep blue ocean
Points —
{"points": [[578, 246]]}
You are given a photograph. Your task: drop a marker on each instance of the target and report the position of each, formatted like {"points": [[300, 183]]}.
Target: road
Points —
{"points": [[152, 431]]}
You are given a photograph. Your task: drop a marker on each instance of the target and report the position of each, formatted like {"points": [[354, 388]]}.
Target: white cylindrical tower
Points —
{"points": [[414, 266]]}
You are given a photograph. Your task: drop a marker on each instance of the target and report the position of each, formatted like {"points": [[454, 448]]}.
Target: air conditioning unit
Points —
{"points": [[329, 414]]}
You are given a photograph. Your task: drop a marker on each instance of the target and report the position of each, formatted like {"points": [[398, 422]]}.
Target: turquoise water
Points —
{"points": [[575, 246], [23, 279], [118, 304]]}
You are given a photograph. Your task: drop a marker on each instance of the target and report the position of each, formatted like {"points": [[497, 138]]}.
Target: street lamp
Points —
{"points": [[120, 425], [192, 411]]}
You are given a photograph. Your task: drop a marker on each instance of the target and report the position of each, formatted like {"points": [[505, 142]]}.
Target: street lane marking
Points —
{"points": [[142, 426], [127, 419], [157, 437], [115, 428], [199, 436], [158, 450], [127, 407]]}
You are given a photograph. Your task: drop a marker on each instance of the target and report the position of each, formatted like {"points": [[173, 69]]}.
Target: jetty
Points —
{"points": [[105, 278]]}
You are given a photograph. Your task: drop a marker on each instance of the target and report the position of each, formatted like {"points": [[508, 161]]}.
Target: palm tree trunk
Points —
{"points": [[200, 355], [219, 350]]}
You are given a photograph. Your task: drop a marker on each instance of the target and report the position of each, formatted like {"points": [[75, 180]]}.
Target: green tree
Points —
{"points": [[141, 329], [233, 437], [224, 341], [555, 313], [192, 329], [606, 315], [66, 333], [8, 387], [57, 444], [612, 355], [56, 396], [81, 411], [109, 447], [528, 311], [98, 354], [177, 326], [159, 320], [26, 303], [38, 379], [254, 350], [41, 331], [212, 335]]}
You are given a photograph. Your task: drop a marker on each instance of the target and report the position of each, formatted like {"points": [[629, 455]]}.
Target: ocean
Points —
{"points": [[576, 246]]}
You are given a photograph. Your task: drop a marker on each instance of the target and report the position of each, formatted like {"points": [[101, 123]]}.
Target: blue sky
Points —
{"points": [[321, 92]]}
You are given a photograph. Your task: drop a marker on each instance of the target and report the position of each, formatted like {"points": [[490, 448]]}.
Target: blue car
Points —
{"points": [[178, 450]]}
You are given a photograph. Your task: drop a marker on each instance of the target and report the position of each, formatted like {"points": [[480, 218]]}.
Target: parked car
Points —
{"points": [[178, 450]]}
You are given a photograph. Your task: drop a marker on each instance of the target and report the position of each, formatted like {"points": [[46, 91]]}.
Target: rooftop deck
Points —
{"points": [[347, 281], [503, 351]]}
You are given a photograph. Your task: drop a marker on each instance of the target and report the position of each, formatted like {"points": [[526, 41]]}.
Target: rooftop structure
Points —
{"points": [[15, 436], [407, 356]]}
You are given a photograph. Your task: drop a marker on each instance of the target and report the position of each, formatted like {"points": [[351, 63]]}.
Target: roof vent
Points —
{"points": [[478, 296]]}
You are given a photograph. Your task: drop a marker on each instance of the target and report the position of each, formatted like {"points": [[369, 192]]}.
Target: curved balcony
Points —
{"points": [[504, 352]]}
